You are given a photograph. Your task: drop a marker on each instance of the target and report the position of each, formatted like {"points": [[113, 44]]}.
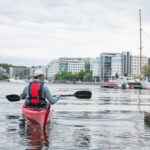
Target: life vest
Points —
{"points": [[35, 93]]}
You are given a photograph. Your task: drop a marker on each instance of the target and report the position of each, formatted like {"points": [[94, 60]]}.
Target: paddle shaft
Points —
{"points": [[67, 95], [78, 94]]}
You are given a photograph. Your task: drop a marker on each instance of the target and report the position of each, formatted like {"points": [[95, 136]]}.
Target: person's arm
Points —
{"points": [[49, 97], [23, 94]]}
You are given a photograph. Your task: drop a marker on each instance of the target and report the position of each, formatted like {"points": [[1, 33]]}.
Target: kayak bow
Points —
{"points": [[39, 115]]}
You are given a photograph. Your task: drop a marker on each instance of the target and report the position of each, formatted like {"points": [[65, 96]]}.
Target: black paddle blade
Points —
{"points": [[13, 97], [83, 94]]}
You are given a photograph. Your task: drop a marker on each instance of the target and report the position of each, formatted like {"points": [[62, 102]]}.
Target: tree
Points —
{"points": [[146, 70], [82, 76], [87, 77]]}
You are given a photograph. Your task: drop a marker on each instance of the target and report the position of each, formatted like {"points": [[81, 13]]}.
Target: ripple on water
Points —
{"points": [[111, 119]]}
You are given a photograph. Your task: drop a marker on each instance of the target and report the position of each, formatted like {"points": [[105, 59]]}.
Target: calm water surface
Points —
{"points": [[110, 120]]}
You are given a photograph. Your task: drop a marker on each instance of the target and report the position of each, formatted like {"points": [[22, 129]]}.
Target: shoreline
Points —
{"points": [[79, 83]]}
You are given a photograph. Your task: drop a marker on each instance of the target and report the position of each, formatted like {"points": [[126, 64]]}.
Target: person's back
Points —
{"points": [[37, 93]]}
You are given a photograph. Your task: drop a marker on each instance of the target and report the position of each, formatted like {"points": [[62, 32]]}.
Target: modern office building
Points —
{"points": [[126, 60], [88, 63], [96, 69], [105, 66], [117, 64], [135, 64], [121, 64]]}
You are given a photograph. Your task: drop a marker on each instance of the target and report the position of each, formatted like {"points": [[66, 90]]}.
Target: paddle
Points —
{"points": [[78, 94], [13, 97]]}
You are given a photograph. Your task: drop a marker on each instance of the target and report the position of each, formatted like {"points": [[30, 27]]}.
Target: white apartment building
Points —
{"points": [[74, 65], [117, 64], [52, 69], [135, 64]]}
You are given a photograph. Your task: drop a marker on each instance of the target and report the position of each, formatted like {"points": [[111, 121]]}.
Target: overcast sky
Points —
{"points": [[37, 31]]}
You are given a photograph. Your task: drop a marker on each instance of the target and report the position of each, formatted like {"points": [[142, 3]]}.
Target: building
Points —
{"points": [[135, 64], [121, 64], [3, 73], [96, 69], [126, 61], [105, 66], [20, 72], [73, 65], [88, 63], [149, 61], [117, 64], [52, 69]]}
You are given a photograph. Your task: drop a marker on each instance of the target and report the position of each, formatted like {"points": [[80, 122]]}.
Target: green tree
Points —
{"points": [[146, 70], [82, 76], [87, 76]]}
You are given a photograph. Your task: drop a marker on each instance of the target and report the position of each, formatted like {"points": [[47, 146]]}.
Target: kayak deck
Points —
{"points": [[39, 115]]}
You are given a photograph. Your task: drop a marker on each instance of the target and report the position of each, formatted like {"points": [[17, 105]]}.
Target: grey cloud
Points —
{"points": [[21, 61], [53, 28]]}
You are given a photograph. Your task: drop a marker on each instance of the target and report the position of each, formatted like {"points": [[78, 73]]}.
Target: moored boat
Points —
{"points": [[13, 80], [39, 115], [107, 84]]}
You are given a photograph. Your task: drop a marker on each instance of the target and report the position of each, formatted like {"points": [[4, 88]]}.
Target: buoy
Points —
{"points": [[115, 87], [132, 87]]}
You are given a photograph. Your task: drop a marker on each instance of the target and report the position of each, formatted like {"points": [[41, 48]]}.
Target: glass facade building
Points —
{"points": [[105, 65]]}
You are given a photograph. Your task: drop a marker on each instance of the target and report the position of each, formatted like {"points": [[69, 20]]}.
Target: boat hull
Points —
{"points": [[39, 115]]}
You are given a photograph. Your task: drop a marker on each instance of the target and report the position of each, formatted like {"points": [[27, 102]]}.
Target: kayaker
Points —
{"points": [[37, 93]]}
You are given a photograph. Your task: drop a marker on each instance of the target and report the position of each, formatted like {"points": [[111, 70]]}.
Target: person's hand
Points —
{"points": [[59, 95]]}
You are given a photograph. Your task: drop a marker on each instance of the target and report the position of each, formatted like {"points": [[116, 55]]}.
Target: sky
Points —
{"points": [[33, 32]]}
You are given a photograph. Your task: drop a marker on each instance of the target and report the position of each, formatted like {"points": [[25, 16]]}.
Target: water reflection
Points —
{"points": [[111, 119], [32, 135], [38, 138], [82, 137]]}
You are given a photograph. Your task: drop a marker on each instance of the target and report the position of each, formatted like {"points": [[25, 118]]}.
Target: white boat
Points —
{"points": [[122, 83], [133, 82], [12, 80], [146, 84]]}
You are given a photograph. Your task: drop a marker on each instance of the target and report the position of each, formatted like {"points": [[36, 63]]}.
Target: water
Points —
{"points": [[112, 119]]}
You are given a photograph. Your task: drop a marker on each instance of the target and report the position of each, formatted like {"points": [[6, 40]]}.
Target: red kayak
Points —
{"points": [[39, 115]]}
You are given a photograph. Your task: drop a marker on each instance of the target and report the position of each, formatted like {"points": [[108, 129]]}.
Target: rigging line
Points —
{"points": [[147, 35]]}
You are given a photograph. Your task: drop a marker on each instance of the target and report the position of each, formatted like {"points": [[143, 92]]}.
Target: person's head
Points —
{"points": [[39, 75]]}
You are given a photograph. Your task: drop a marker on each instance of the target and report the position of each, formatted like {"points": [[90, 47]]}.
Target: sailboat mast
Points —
{"points": [[140, 20]]}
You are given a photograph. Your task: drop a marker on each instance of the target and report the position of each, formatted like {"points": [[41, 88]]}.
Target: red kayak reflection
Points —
{"points": [[37, 136]]}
